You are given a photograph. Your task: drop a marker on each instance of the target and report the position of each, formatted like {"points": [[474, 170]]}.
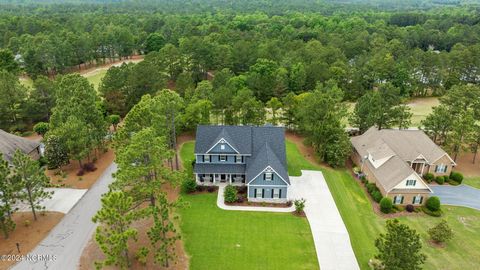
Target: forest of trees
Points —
{"points": [[276, 58]]}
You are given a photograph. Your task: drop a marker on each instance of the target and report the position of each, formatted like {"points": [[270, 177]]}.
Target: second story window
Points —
{"points": [[411, 182], [268, 176], [206, 158], [238, 159], [223, 158]]}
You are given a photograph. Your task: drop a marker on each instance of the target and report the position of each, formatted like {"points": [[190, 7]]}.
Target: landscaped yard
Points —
{"points": [[472, 181], [364, 225], [219, 239]]}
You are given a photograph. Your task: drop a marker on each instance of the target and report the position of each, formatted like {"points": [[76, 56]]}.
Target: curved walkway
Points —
{"points": [[462, 195], [221, 204]]}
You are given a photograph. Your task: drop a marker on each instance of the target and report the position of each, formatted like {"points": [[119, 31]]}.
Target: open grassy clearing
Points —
{"points": [[364, 225], [420, 108], [219, 239], [96, 77]]}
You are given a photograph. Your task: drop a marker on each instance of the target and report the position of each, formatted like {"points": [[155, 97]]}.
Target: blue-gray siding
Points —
{"points": [[218, 149], [216, 159], [260, 180], [267, 192]]}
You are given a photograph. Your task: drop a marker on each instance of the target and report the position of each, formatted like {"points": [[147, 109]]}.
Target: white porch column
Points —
{"points": [[423, 167], [230, 178]]}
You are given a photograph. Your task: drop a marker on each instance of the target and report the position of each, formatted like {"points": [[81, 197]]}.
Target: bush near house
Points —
{"points": [[189, 185], [457, 177], [429, 177], [410, 208], [440, 180], [41, 128], [374, 192], [299, 205], [386, 205], [432, 207], [230, 194]]}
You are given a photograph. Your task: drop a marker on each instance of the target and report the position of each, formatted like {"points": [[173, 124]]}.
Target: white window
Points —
{"points": [[222, 146], [441, 168], [276, 193], [411, 182], [268, 176], [238, 159], [259, 193], [398, 199], [206, 158], [223, 158], [417, 199]]}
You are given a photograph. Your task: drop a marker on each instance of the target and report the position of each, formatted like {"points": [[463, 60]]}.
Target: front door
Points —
{"points": [[223, 178]]}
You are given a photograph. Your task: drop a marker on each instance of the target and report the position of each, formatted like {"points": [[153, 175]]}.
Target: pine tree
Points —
{"points": [[163, 234], [115, 219], [400, 248], [31, 177], [8, 189]]}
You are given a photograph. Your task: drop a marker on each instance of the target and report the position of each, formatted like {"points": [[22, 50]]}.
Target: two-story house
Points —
{"points": [[396, 160], [243, 155]]}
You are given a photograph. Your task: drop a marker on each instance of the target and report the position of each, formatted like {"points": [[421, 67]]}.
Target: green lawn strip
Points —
{"points": [[472, 181], [96, 77], [219, 239], [364, 225]]}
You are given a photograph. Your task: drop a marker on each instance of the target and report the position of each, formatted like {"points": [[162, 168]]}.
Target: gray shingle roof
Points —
{"points": [[9, 143], [265, 144]]}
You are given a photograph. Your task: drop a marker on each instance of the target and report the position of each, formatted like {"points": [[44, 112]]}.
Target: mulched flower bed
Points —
{"points": [[260, 204], [205, 189]]}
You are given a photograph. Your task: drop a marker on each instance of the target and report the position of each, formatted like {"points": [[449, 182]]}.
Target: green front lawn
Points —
{"points": [[219, 239], [364, 225], [473, 181]]}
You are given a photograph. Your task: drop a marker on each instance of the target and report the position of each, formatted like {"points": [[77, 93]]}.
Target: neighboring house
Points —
{"points": [[243, 155], [396, 160], [10, 143]]}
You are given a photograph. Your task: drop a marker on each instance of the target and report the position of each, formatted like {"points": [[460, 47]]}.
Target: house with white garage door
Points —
{"points": [[253, 156]]}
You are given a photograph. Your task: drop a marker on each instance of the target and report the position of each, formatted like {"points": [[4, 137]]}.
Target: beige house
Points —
{"points": [[396, 160], [10, 143]]}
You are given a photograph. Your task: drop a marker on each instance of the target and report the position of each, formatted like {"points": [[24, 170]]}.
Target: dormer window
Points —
{"points": [[206, 158], [268, 176], [223, 158]]}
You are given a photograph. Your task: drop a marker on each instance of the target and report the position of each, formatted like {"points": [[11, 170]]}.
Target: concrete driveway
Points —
{"points": [[65, 243], [462, 195], [63, 199], [332, 242]]}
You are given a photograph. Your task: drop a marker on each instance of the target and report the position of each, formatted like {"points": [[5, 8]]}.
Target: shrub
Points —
{"points": [[453, 183], [457, 177], [240, 199], [114, 120], [211, 189], [230, 194], [441, 232], [141, 255], [429, 177], [410, 208], [299, 205], [432, 213], [26, 223], [363, 179], [289, 203], [189, 185], [89, 167], [440, 180], [41, 128], [386, 205], [433, 203], [80, 172], [242, 189], [377, 196]]}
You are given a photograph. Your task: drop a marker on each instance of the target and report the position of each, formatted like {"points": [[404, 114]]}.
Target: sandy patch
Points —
{"points": [[71, 180], [465, 165], [28, 237]]}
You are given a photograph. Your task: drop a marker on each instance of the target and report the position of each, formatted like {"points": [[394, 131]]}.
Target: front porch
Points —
{"points": [[216, 178]]}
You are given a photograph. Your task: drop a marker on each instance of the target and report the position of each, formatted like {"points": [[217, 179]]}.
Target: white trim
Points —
{"points": [[266, 186], [266, 168], [454, 164], [222, 140], [418, 178], [421, 156], [227, 154]]}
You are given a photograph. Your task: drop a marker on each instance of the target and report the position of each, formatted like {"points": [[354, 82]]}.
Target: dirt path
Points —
{"points": [[93, 70]]}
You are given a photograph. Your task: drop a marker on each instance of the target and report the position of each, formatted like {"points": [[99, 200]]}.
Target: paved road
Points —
{"points": [[68, 239], [332, 242], [462, 195]]}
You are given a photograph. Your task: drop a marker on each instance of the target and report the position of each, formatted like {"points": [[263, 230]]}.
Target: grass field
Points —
{"points": [[96, 77], [364, 225], [473, 181], [219, 239], [419, 107]]}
